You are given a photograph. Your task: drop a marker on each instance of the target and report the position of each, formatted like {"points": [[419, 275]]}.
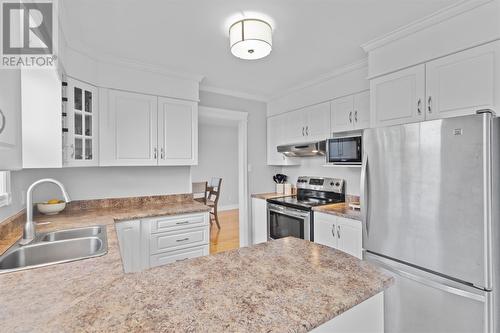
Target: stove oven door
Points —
{"points": [[284, 222]]}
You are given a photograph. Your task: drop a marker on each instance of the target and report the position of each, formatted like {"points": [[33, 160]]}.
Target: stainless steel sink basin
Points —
{"points": [[56, 247], [72, 233]]}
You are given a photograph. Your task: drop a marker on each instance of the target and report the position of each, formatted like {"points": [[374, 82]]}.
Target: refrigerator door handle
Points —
{"points": [[430, 283], [363, 192]]}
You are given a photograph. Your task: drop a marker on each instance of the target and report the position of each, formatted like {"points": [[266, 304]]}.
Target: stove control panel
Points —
{"points": [[321, 184]]}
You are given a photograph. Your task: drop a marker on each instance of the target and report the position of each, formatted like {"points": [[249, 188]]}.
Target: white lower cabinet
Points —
{"points": [[259, 220], [173, 256], [367, 316], [129, 240], [338, 232], [158, 241]]}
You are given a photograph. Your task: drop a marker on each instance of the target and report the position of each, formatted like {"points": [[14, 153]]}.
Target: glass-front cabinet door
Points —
{"points": [[80, 133]]}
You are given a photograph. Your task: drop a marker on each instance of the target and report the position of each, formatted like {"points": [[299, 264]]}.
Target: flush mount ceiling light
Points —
{"points": [[250, 39]]}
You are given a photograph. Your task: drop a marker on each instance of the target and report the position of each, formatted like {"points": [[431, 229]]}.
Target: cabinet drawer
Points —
{"points": [[169, 257], [178, 239], [171, 223]]}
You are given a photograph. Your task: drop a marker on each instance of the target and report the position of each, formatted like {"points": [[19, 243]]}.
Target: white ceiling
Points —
{"points": [[310, 38]]}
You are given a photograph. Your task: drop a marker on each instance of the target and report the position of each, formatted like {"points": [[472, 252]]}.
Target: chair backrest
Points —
{"points": [[199, 189], [215, 184]]}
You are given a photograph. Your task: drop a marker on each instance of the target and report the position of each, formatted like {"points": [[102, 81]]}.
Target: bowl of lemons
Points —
{"points": [[51, 207]]}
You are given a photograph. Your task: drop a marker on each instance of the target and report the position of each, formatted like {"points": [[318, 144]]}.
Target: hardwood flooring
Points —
{"points": [[228, 236]]}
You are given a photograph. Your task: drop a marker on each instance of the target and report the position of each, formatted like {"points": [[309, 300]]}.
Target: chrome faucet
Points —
{"points": [[29, 231]]}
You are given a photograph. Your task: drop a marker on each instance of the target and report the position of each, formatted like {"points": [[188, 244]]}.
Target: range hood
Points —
{"points": [[303, 149]]}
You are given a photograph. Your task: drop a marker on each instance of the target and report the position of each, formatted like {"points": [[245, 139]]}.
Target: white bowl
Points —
{"points": [[50, 209]]}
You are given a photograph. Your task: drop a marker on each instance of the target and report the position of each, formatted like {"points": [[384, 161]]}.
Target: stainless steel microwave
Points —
{"points": [[344, 150]]}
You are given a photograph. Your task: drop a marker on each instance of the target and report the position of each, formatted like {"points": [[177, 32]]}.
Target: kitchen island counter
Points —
{"points": [[288, 285]]}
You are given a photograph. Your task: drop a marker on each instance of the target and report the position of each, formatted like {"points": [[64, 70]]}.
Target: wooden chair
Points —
{"points": [[200, 192], [213, 198]]}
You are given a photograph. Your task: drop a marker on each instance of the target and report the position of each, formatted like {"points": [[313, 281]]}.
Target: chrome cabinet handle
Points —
{"points": [[350, 117], [429, 104], [419, 104], [182, 240], [302, 130], [333, 230], [307, 130], [155, 153], [2, 121], [162, 153], [356, 116], [183, 222], [338, 231], [72, 150], [364, 193]]}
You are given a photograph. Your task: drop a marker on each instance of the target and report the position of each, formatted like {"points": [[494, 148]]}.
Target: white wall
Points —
{"points": [[218, 157], [344, 81], [313, 167], [467, 24], [97, 183], [341, 82], [92, 183], [260, 175]]}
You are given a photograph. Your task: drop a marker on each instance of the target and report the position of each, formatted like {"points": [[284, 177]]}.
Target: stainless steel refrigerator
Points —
{"points": [[430, 204]]}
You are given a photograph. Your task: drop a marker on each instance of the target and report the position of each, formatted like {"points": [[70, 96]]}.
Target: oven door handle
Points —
{"points": [[289, 212]]}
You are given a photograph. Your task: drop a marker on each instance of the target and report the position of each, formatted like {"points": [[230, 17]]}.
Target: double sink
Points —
{"points": [[56, 247]]}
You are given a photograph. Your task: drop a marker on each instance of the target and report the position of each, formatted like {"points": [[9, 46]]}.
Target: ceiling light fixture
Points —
{"points": [[250, 39]]}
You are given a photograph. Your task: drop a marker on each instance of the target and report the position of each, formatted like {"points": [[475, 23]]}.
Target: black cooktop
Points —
{"points": [[304, 203]]}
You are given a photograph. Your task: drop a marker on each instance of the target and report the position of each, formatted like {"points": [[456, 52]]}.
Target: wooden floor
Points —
{"points": [[228, 237]]}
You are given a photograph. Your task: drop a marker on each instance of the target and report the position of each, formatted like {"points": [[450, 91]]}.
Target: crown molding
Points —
{"points": [[129, 63], [423, 23], [323, 78], [234, 93]]}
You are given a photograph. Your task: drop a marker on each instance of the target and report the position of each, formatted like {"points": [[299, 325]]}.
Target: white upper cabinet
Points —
{"points": [[80, 119], [138, 129], [10, 119], [398, 98], [128, 131], [177, 132], [342, 114], [311, 123], [361, 118], [41, 96], [276, 131], [351, 112], [318, 122], [454, 85], [295, 126], [464, 82]]}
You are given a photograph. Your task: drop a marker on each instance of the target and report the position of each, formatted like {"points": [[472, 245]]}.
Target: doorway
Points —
{"points": [[223, 153]]}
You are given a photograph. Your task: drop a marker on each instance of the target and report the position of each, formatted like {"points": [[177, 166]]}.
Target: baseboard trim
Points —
{"points": [[228, 207]]}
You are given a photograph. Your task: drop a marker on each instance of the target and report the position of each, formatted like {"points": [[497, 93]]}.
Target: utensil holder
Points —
{"points": [[280, 188], [288, 189]]}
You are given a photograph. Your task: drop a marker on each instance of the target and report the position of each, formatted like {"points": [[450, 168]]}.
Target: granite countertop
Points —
{"points": [[340, 209], [288, 285], [269, 195]]}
